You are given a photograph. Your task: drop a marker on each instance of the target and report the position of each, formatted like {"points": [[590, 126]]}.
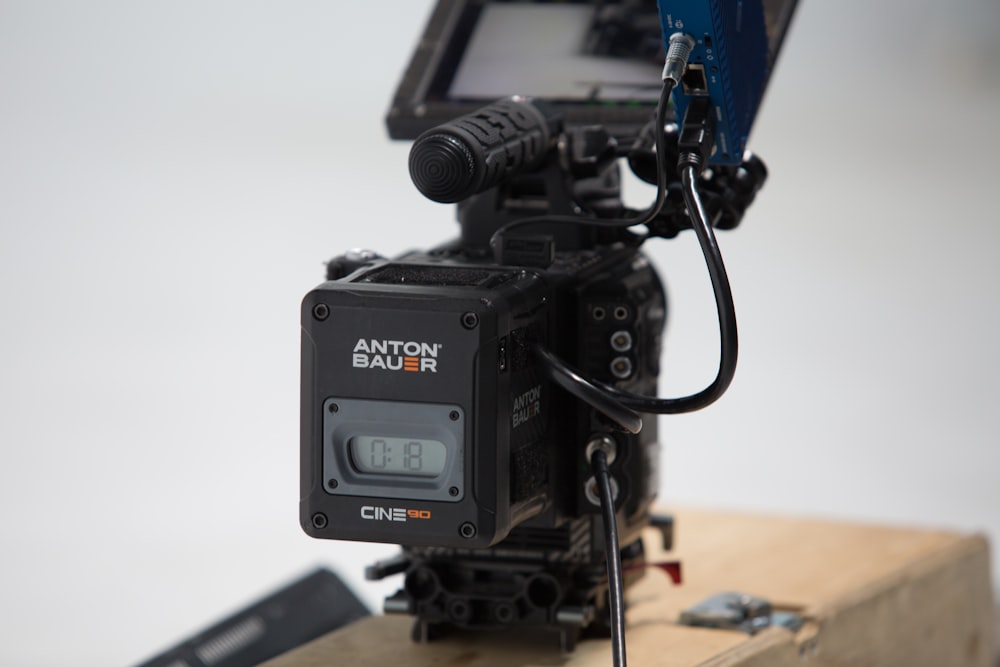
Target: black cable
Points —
{"points": [[643, 218], [616, 595], [696, 142], [728, 334], [567, 378]]}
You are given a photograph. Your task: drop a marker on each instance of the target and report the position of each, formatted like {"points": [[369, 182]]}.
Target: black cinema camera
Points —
{"points": [[455, 400], [427, 416]]}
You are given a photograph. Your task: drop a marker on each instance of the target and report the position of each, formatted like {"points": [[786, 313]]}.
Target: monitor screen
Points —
{"points": [[599, 61]]}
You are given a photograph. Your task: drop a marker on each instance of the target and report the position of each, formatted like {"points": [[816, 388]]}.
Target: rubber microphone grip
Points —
{"points": [[472, 153]]}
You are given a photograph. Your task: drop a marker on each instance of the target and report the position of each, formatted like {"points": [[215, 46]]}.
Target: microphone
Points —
{"points": [[472, 153]]}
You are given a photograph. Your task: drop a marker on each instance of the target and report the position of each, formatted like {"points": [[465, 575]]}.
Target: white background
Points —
{"points": [[173, 175]]}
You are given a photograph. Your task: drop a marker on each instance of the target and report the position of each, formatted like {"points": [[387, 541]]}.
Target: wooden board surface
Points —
{"points": [[871, 596]]}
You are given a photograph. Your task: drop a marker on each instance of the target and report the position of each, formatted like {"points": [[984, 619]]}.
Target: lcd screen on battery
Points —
{"points": [[412, 457]]}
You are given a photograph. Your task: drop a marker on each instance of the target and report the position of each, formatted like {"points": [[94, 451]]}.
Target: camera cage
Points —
{"points": [[581, 166]]}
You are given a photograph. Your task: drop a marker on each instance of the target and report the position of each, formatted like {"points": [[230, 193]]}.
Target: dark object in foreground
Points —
{"points": [[300, 612]]}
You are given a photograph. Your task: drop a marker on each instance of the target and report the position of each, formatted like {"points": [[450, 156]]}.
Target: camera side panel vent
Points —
{"points": [[528, 471], [569, 542], [443, 276]]}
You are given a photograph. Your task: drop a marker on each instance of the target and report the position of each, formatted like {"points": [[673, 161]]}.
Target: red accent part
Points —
{"points": [[671, 567]]}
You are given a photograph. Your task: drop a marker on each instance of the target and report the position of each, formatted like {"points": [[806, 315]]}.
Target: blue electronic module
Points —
{"points": [[728, 64]]}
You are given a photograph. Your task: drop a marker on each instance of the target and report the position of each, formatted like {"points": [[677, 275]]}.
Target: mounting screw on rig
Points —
{"points": [[453, 491], [319, 521], [453, 415], [459, 610], [470, 320], [467, 530], [504, 612], [321, 311], [332, 483]]}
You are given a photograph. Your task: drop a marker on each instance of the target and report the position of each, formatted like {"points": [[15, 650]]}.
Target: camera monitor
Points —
{"points": [[598, 62]]}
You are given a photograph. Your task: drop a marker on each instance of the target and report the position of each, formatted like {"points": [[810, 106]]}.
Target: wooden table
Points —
{"points": [[871, 596]]}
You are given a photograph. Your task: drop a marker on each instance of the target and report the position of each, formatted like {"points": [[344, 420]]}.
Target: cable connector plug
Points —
{"points": [[678, 51], [696, 141]]}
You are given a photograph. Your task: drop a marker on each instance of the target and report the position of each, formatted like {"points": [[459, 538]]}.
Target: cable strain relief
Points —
{"points": [[678, 51], [690, 159]]}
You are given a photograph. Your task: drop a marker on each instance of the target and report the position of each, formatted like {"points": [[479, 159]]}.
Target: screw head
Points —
{"points": [[454, 415], [332, 483], [453, 491], [319, 521], [321, 311], [504, 612], [467, 530], [470, 320], [333, 407]]}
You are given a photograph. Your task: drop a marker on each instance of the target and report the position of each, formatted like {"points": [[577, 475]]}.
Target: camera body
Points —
{"points": [[431, 414], [427, 421]]}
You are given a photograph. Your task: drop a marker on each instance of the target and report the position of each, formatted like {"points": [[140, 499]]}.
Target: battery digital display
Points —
{"points": [[394, 449], [383, 455]]}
